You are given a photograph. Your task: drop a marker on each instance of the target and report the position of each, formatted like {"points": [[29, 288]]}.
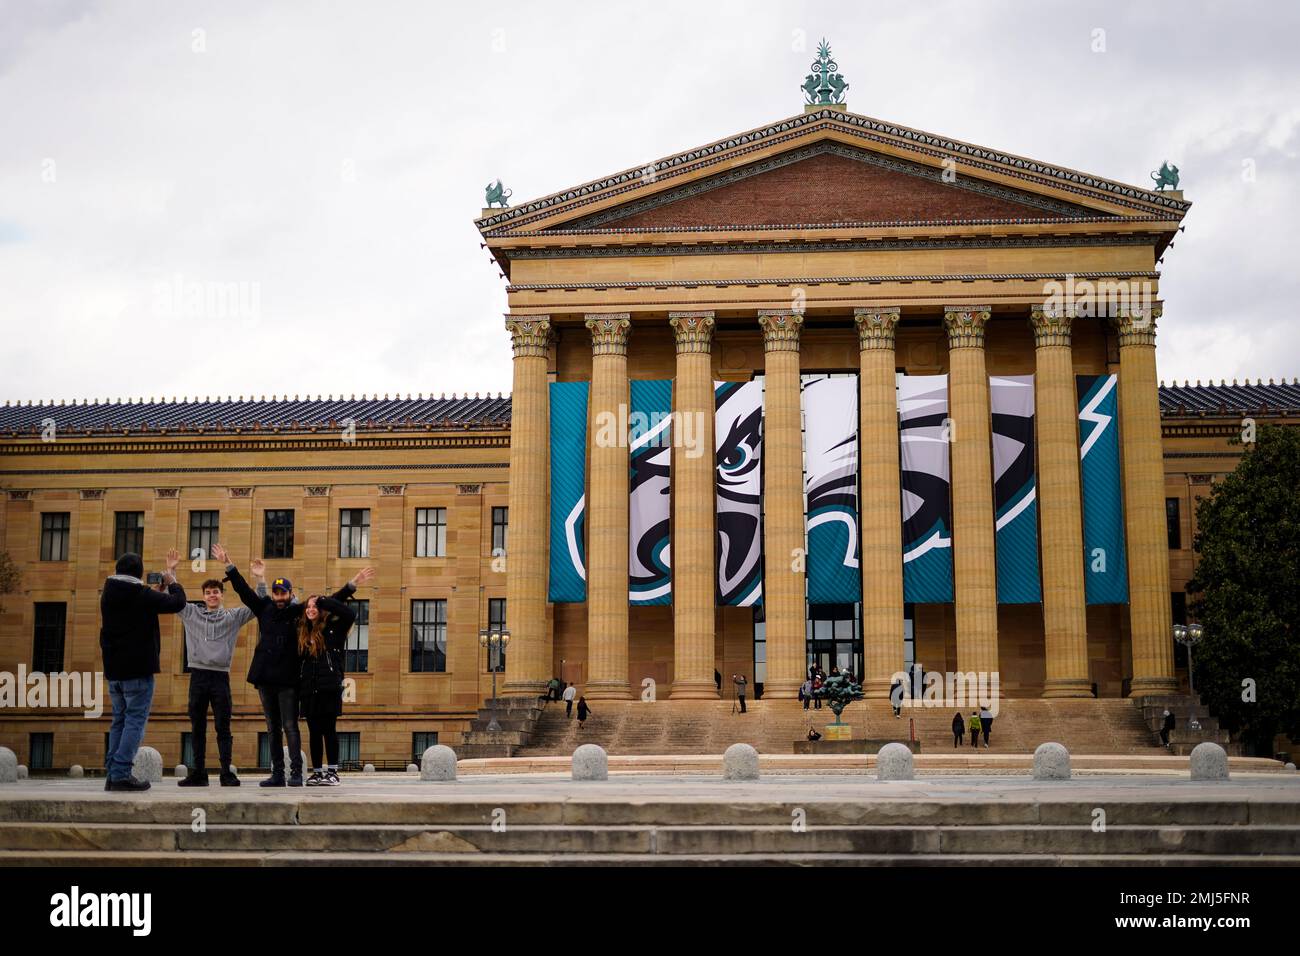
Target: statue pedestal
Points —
{"points": [[838, 732], [859, 746]]}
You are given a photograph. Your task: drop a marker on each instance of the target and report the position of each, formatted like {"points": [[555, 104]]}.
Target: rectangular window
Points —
{"points": [[41, 747], [497, 622], [277, 535], [204, 528], [430, 532], [350, 750], [428, 636], [128, 533], [354, 533], [500, 525], [187, 749], [51, 629], [357, 654], [56, 531], [422, 740], [1173, 524]]}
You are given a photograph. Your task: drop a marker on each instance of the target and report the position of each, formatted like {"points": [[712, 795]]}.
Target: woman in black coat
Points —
{"points": [[958, 730], [322, 640]]}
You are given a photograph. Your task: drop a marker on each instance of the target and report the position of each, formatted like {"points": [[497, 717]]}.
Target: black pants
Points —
{"points": [[957, 738], [280, 706], [568, 708], [988, 725], [975, 738], [741, 698], [806, 702], [324, 738], [209, 688]]}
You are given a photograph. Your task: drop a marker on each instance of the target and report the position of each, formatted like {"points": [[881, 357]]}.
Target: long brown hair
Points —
{"points": [[311, 634]]}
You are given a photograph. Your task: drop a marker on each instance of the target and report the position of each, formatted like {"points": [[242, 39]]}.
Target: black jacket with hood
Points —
{"points": [[128, 633], [323, 673]]}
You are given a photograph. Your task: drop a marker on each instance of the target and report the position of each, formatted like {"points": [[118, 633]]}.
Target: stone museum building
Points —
{"points": [[829, 391]]}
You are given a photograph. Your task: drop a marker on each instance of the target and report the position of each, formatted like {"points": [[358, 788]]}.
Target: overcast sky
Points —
{"points": [[327, 161]]}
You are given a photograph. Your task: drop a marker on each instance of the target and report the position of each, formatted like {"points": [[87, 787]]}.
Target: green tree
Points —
{"points": [[1246, 592], [10, 577]]}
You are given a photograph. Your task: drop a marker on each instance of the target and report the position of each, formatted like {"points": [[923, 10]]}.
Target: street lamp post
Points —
{"points": [[495, 641], [1189, 636]]}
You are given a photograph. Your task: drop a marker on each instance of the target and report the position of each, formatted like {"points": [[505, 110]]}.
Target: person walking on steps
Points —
{"points": [[553, 689], [1166, 727], [805, 693], [570, 693], [583, 711], [958, 730], [974, 726], [896, 698], [986, 724], [741, 683]]}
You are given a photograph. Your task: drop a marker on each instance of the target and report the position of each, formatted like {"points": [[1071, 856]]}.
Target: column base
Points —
{"points": [[1152, 686], [1068, 687], [694, 690], [607, 690], [523, 688], [781, 689], [877, 688]]}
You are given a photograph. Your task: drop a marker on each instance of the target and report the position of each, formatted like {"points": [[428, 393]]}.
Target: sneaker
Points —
{"points": [[130, 784], [295, 778], [275, 780], [228, 779], [316, 779], [196, 778], [331, 778]]}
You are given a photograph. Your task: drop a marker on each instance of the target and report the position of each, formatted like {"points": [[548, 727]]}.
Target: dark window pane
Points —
{"points": [[430, 532], [497, 622], [354, 533], [42, 751], [357, 652], [50, 631], [128, 533], [278, 533], [422, 740], [55, 535], [500, 527], [204, 529], [1173, 524], [428, 636]]}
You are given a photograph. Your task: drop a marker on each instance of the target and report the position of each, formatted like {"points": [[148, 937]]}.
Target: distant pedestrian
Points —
{"points": [[986, 723], [553, 688], [974, 726], [1166, 727], [813, 735], [717, 679], [805, 693], [958, 730], [583, 711], [570, 693], [816, 690], [896, 698], [741, 684]]}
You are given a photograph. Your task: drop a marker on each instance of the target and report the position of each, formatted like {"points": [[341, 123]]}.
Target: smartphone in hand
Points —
{"points": [[155, 578]]}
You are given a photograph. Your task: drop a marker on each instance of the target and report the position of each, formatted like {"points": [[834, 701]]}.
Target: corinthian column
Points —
{"points": [[607, 599], [693, 489], [974, 561], [783, 516], [1065, 621], [528, 665], [1150, 620], [881, 501]]}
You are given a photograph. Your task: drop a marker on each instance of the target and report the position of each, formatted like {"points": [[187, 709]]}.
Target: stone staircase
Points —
{"points": [[1184, 739], [907, 829], [516, 716], [1106, 726]]}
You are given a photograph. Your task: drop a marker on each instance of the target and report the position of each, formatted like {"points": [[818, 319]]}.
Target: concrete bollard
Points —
{"points": [[438, 763], [1051, 762], [590, 763], [147, 765], [76, 771], [1291, 767], [181, 771], [1209, 761], [740, 762], [8, 766], [412, 768], [894, 762], [22, 771], [368, 768]]}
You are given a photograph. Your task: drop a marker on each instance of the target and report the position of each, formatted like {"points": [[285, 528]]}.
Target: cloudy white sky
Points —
{"points": [[330, 158]]}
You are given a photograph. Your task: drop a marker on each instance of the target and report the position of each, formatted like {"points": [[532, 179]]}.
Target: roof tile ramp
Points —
{"points": [[1087, 726], [1195, 399]]}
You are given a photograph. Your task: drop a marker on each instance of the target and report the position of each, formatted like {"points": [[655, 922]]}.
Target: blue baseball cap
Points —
{"points": [[281, 584]]}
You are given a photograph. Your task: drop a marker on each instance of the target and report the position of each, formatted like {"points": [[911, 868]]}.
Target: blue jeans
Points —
{"points": [[131, 702]]}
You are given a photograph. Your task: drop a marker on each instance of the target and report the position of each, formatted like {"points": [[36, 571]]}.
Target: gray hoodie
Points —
{"points": [[210, 636]]}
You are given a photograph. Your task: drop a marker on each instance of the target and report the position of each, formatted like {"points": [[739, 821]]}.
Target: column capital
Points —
{"points": [[1137, 326], [609, 332], [529, 334], [1051, 326], [965, 325], [692, 330], [876, 326], [780, 329]]}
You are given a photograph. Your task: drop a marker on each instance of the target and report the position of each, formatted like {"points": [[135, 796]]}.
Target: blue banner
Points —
{"points": [[924, 433], [1105, 567], [568, 578], [1015, 489], [650, 453]]}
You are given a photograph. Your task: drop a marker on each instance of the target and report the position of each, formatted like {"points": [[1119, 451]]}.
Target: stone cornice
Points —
{"points": [[236, 446], [609, 332], [1137, 327], [259, 469], [692, 331], [718, 283], [1051, 326], [876, 327], [530, 335], [965, 325], [780, 329]]}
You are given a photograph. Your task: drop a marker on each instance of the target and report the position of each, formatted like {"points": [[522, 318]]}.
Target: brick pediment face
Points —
{"points": [[830, 187]]}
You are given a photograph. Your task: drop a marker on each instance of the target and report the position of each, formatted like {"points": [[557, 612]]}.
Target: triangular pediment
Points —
{"points": [[827, 169]]}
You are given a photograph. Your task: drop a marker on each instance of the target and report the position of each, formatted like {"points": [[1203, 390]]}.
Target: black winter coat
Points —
{"points": [[275, 659], [323, 674], [128, 633]]}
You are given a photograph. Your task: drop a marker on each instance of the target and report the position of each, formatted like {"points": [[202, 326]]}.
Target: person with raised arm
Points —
{"points": [[274, 671]]}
